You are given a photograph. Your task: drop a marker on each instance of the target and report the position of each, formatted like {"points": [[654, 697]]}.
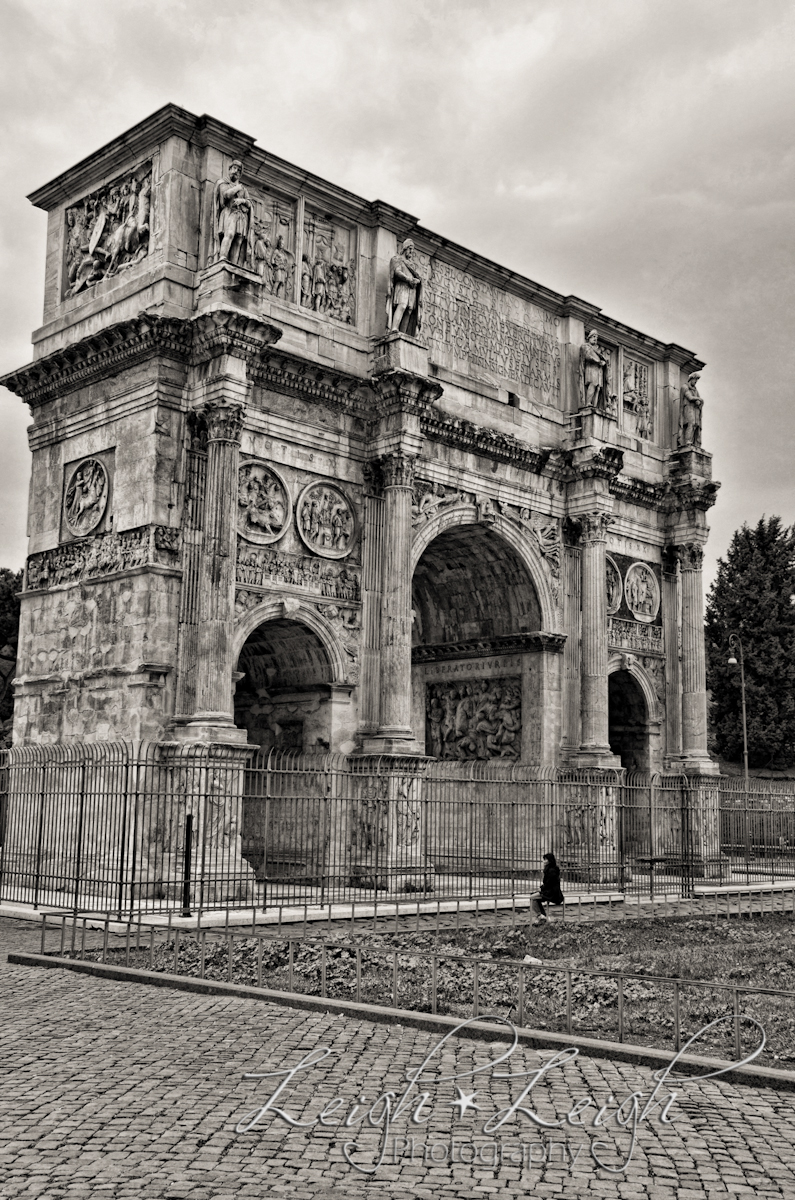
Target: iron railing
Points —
{"points": [[146, 826]]}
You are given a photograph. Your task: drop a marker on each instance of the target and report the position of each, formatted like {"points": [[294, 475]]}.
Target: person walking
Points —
{"points": [[550, 892]]}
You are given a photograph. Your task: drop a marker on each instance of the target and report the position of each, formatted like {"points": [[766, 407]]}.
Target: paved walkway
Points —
{"points": [[118, 1090]]}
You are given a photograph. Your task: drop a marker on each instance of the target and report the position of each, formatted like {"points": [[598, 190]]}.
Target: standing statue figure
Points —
{"points": [[404, 295], [281, 263], [690, 414], [594, 375], [233, 219]]}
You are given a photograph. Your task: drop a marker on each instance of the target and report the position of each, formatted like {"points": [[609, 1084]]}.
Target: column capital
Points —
{"points": [[397, 469], [689, 555], [224, 421], [594, 526]]}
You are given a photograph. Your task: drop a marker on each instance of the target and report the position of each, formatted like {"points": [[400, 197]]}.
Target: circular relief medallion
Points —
{"points": [[86, 497], [642, 592], [613, 585], [326, 520], [263, 504]]}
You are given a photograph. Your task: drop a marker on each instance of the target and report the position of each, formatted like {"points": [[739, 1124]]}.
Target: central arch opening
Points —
{"points": [[282, 694], [473, 693], [628, 721]]}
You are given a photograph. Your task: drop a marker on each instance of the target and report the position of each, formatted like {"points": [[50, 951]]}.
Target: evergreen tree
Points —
{"points": [[751, 597], [10, 585]]}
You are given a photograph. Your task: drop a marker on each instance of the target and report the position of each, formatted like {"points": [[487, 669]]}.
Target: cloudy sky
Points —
{"points": [[637, 153]]}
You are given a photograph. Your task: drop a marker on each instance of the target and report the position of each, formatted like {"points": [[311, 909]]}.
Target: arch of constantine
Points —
{"points": [[307, 475]]}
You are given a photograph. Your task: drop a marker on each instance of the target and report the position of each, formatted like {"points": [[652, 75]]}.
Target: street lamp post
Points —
{"points": [[736, 646]]}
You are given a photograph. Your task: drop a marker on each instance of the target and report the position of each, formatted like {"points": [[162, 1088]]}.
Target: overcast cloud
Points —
{"points": [[637, 154]]}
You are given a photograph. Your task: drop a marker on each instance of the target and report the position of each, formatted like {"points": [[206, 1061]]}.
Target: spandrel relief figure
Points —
{"points": [[404, 294], [691, 406], [233, 219], [595, 382], [86, 497]]}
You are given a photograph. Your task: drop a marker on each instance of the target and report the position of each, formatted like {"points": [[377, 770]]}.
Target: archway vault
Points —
{"points": [[630, 664], [463, 515], [273, 609]]}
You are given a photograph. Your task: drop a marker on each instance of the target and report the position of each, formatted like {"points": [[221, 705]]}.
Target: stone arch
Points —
{"points": [[630, 664], [466, 514], [272, 609]]}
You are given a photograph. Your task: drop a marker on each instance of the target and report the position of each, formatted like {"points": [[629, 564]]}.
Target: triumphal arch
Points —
{"points": [[308, 475]]}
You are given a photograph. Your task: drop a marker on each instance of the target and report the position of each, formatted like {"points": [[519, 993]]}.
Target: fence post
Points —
{"points": [[568, 1000], [80, 818], [187, 865], [736, 1007], [677, 1031], [621, 1008], [39, 836]]}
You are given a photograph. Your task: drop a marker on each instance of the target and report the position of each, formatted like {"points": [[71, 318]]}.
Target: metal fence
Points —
{"points": [[132, 826]]}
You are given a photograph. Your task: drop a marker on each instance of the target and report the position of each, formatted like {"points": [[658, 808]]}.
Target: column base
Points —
{"points": [[399, 743], [595, 758], [210, 727], [694, 764]]}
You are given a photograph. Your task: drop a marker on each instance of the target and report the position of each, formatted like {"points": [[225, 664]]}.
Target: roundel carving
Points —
{"points": [[642, 592], [86, 497], [614, 586], [264, 509], [326, 520]]}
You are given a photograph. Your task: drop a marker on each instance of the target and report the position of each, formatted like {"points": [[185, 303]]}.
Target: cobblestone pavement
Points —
{"points": [[120, 1090]]}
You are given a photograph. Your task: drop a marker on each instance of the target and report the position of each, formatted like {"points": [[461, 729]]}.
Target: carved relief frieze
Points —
{"points": [[108, 231], [103, 554], [489, 330], [636, 398], [264, 508], [614, 586], [267, 568], [326, 520], [347, 624], [328, 269], [474, 720], [642, 592], [86, 496], [255, 230], [634, 636]]}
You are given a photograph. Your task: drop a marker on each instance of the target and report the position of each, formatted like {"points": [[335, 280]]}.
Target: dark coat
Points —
{"points": [[550, 886]]}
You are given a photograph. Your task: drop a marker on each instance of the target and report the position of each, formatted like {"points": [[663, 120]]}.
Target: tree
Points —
{"points": [[751, 597], [10, 585]]}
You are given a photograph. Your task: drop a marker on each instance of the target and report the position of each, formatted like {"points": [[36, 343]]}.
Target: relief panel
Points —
{"points": [[469, 721], [108, 231], [264, 508], [328, 269]]}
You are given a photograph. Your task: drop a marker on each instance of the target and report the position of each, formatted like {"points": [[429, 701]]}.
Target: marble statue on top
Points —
{"points": [[690, 414], [595, 376], [404, 294], [233, 219]]}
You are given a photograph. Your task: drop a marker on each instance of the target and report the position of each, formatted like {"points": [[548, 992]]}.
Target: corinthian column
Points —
{"points": [[595, 747], [694, 673], [395, 690], [217, 575]]}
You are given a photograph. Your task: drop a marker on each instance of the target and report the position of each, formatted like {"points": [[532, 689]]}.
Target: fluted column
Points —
{"points": [[217, 579], [595, 736], [395, 690], [694, 673]]}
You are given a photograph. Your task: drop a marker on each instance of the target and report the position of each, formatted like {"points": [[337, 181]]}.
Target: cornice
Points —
{"points": [[509, 643], [403, 391], [439, 426], [120, 346], [606, 463], [291, 376], [638, 491], [689, 494]]}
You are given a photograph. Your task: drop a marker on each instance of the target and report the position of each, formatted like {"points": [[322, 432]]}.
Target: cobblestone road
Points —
{"points": [[120, 1090]]}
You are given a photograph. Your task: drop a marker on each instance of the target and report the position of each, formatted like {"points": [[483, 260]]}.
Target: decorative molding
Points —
{"points": [[439, 426], [606, 463], [104, 554], [508, 643], [126, 343], [401, 391]]}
